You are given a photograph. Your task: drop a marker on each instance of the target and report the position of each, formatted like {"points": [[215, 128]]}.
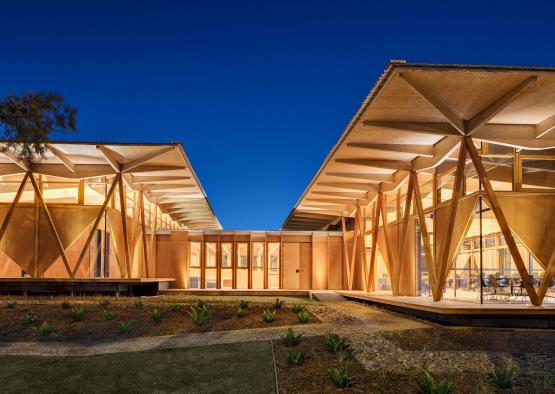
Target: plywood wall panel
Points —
{"points": [[291, 265]]}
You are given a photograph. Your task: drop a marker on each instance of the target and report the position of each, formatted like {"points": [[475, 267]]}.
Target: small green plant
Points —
{"points": [[268, 316], [138, 304], [241, 312], [297, 308], [427, 385], [290, 339], [541, 384], [176, 307], [29, 318], [503, 378], [278, 304], [199, 315], [333, 343], [65, 305], [304, 317], [78, 313], [384, 374], [104, 303], [109, 314], [125, 326], [156, 314], [295, 358], [43, 330], [341, 376], [244, 304], [11, 304], [202, 304]]}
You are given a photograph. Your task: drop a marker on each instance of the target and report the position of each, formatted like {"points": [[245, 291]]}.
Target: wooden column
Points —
{"points": [[424, 232], [444, 263], [375, 226], [404, 236], [143, 231], [346, 259], [122, 203]]}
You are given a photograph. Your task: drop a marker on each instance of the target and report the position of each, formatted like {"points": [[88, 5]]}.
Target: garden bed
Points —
{"points": [[94, 325], [473, 339]]}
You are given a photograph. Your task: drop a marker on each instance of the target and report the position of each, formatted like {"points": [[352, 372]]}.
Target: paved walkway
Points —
{"points": [[340, 316]]}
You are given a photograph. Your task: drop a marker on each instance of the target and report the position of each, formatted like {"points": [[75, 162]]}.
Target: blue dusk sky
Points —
{"points": [[256, 91]]}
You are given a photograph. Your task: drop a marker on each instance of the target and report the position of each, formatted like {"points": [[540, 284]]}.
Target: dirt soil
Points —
{"points": [[474, 339], [94, 327]]}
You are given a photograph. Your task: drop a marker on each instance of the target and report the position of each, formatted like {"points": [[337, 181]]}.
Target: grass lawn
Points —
{"points": [[229, 368]]}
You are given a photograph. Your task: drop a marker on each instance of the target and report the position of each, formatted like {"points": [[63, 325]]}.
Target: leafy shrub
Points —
{"points": [[268, 316], [108, 314], [200, 314], [104, 303], [176, 307], [241, 312], [503, 378], [297, 308], [77, 314], [156, 314], [304, 317], [138, 304], [202, 304], [278, 304], [29, 318], [541, 384], [65, 305], [244, 304], [341, 376], [333, 343], [11, 304], [125, 326], [43, 330], [427, 385], [295, 358], [290, 339]]}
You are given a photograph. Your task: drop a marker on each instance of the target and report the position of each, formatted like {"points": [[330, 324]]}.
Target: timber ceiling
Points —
{"points": [[414, 119]]}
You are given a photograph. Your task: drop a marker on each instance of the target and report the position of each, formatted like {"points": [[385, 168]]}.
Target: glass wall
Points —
{"points": [[273, 265], [211, 271], [194, 265], [60, 190], [242, 265], [484, 270], [226, 264], [258, 261]]}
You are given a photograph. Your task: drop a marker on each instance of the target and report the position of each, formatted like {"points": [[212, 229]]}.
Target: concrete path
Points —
{"points": [[340, 316]]}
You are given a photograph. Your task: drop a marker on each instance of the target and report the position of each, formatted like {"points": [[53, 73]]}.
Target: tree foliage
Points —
{"points": [[30, 119]]}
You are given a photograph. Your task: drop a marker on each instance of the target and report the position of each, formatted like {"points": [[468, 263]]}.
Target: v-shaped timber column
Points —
{"points": [[502, 221]]}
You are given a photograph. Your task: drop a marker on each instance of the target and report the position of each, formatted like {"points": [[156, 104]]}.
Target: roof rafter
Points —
{"points": [[486, 114], [434, 128], [386, 164], [62, 156], [141, 160], [421, 150], [423, 92], [366, 177]]}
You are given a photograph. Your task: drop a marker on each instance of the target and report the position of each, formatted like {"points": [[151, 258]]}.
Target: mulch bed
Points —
{"points": [[313, 376], [474, 339], [94, 327]]}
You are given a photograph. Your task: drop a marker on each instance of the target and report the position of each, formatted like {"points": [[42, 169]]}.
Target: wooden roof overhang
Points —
{"points": [[163, 172], [413, 120]]}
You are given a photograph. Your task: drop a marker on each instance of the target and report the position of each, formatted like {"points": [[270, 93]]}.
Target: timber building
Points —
{"points": [[442, 186]]}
